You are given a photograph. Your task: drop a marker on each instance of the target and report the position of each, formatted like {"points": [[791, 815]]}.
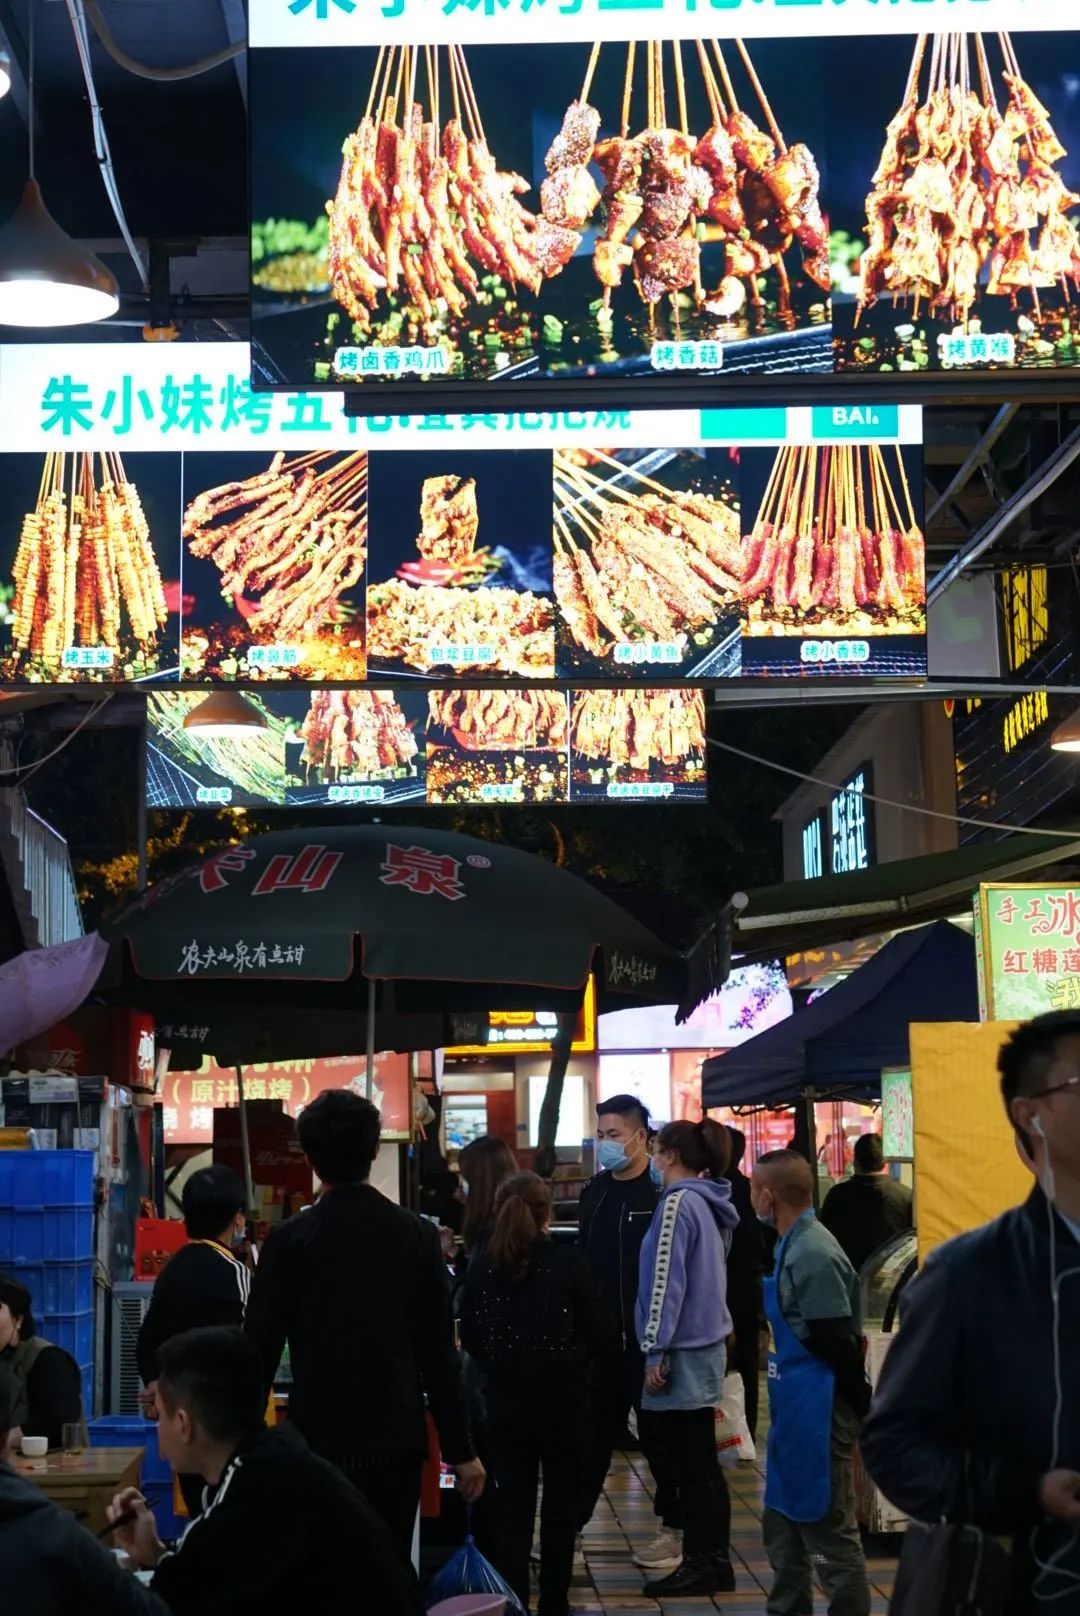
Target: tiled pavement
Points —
{"points": [[606, 1580]]}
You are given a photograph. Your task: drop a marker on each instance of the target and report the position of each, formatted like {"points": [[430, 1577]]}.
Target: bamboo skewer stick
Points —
{"points": [[912, 86], [725, 76], [454, 88], [710, 84], [414, 57], [774, 127], [628, 90], [904, 486], [375, 80], [680, 87], [589, 71]]}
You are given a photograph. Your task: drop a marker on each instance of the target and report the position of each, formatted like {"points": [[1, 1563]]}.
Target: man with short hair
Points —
{"points": [[818, 1393], [614, 1215], [745, 1267], [280, 1529], [202, 1284], [49, 1564], [358, 1288], [867, 1210], [977, 1410]]}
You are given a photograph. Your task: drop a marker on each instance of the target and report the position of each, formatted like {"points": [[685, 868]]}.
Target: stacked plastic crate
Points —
{"points": [[47, 1244], [156, 1477]]}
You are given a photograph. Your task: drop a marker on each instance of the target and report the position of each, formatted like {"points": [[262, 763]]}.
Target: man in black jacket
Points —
{"points": [[358, 1288], [280, 1529], [49, 1564], [203, 1284], [870, 1208], [977, 1411], [745, 1266], [615, 1211]]}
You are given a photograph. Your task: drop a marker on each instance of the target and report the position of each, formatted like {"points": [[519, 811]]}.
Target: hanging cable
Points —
{"points": [[101, 139], [890, 802], [19, 776], [162, 75]]}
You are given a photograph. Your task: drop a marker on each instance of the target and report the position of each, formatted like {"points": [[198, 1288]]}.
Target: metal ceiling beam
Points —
{"points": [[974, 460], [236, 28], [1040, 480]]}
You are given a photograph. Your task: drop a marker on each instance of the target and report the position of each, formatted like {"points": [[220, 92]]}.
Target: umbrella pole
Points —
{"points": [[369, 1071], [245, 1143]]}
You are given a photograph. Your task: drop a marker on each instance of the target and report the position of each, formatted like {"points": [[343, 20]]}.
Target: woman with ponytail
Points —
{"points": [[683, 1325], [532, 1320]]}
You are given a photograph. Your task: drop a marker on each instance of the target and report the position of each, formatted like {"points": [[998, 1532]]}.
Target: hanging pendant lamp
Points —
{"points": [[224, 713], [46, 278]]}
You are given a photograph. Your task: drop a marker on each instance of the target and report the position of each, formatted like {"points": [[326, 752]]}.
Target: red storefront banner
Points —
{"points": [[189, 1098]]}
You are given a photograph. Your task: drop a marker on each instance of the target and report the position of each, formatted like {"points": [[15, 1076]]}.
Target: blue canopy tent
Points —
{"points": [[839, 1044]]}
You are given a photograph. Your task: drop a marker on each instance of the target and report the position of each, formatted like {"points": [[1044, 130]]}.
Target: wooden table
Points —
{"points": [[84, 1483]]}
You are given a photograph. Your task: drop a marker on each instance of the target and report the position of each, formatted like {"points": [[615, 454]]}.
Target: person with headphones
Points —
{"points": [[976, 1417]]}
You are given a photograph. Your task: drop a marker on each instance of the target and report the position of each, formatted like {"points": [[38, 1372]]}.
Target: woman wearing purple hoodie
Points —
{"points": [[683, 1325]]}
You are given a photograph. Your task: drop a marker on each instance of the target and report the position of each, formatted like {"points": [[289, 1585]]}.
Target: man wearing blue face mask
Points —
{"points": [[615, 1212]]}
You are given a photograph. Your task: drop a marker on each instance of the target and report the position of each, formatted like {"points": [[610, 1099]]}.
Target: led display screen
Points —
{"points": [[455, 197], [332, 747], [162, 522]]}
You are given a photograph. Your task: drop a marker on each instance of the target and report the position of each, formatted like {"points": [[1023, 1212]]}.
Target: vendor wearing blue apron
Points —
{"points": [[818, 1395]]}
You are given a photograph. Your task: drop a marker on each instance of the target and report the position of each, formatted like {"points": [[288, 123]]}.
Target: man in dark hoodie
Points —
{"points": [[49, 1564], [280, 1530], [358, 1288], [616, 1209], [204, 1284]]}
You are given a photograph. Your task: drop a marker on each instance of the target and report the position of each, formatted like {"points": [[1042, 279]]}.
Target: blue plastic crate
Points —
{"points": [[57, 1287], [48, 1178], [86, 1371], [72, 1331], [39, 1234], [129, 1431], [159, 1495]]}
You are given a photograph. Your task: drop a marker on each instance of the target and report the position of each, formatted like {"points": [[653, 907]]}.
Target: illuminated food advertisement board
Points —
{"points": [[1029, 954], [327, 746], [531, 1032], [162, 522], [468, 196]]}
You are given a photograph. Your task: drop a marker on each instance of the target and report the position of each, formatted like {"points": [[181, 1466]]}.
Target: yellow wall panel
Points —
{"points": [[967, 1170]]}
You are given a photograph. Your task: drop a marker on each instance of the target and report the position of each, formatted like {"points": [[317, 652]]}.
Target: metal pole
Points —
{"points": [[140, 805], [245, 1143], [369, 1073], [811, 1144]]}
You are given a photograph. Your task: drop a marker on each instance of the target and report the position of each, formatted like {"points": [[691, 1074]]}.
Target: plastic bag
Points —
{"points": [[467, 1572], [733, 1439]]}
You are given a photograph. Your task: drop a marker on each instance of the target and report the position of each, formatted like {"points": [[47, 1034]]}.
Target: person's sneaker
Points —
{"points": [[662, 1554], [693, 1579]]}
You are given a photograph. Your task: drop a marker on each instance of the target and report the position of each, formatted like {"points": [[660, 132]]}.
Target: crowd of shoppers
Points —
{"points": [[564, 1345]]}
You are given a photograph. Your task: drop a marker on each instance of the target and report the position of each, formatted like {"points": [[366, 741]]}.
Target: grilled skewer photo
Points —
{"points": [[969, 242], [835, 547], [647, 567], [95, 592], [497, 746], [559, 210], [461, 563], [185, 768], [288, 543], [351, 735], [637, 742]]}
